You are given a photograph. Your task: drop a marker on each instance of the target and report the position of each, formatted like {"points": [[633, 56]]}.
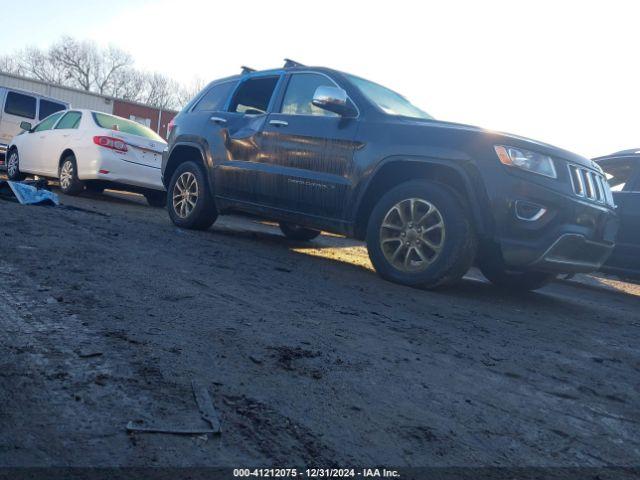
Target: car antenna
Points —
{"points": [[246, 70], [288, 63]]}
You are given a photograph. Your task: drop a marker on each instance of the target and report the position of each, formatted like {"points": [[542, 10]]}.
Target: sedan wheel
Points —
{"points": [[66, 175], [13, 167], [70, 184]]}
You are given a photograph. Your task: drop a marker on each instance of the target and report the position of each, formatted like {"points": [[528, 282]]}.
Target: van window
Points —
{"points": [[20, 105], [47, 108], [70, 120], [47, 123], [253, 95], [216, 97]]}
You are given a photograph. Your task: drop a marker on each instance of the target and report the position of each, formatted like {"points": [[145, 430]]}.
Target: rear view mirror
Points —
{"points": [[333, 99], [26, 126]]}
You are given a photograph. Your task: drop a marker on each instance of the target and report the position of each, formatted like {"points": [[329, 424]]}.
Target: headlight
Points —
{"points": [[527, 160]]}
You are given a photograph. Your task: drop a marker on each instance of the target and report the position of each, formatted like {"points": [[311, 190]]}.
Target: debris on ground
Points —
{"points": [[207, 412], [28, 192]]}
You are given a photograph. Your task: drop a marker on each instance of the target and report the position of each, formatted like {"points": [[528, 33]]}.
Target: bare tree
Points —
{"points": [[160, 91], [186, 93]]}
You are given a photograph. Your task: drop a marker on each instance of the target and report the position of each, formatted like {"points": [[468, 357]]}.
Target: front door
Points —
{"points": [[35, 152], [308, 152]]}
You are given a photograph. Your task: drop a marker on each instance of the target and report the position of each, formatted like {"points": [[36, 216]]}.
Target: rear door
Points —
{"points": [[309, 151], [64, 135], [18, 107], [624, 178]]}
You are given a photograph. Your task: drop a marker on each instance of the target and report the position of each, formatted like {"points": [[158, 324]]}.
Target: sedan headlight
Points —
{"points": [[526, 160]]}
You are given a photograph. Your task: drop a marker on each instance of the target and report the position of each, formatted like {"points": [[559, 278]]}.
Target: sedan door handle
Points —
{"points": [[218, 120], [278, 123]]}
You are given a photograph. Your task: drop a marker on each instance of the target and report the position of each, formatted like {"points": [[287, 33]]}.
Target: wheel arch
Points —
{"points": [[396, 170], [65, 153], [184, 152]]}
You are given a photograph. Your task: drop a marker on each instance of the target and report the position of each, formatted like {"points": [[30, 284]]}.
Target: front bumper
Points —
{"points": [[572, 235]]}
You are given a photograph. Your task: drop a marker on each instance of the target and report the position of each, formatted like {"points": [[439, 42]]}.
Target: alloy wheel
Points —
{"points": [[66, 175], [185, 194], [412, 235], [12, 165]]}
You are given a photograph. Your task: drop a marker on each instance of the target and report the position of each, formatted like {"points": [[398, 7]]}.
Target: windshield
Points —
{"points": [[120, 124], [389, 101]]}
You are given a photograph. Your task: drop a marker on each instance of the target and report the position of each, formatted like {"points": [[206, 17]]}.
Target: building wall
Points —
{"points": [[77, 98], [157, 120]]}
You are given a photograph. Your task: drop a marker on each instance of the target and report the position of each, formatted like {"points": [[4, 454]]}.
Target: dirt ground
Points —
{"points": [[108, 312]]}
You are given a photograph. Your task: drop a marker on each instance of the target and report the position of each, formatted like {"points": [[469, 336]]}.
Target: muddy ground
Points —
{"points": [[108, 312]]}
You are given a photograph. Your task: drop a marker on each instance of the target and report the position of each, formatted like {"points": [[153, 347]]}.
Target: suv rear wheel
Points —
{"points": [[419, 234], [190, 203], [296, 232]]}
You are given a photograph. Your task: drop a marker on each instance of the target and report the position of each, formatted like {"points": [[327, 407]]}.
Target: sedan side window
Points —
{"points": [[300, 91], [70, 120], [253, 95], [215, 99], [619, 171], [48, 122]]}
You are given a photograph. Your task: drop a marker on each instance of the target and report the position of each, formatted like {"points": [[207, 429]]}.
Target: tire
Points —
{"points": [[156, 198], [296, 232], [13, 167], [202, 213], [514, 280], [94, 188], [68, 176], [445, 236]]}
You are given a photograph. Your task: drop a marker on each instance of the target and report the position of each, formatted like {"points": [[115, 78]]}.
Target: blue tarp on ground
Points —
{"points": [[30, 195]]}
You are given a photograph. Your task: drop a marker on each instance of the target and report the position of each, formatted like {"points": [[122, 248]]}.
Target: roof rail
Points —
{"points": [[246, 70], [288, 63]]}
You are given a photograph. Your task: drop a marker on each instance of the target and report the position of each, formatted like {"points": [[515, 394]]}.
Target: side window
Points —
{"points": [[47, 108], [70, 120], [619, 171], [20, 105], [216, 97], [48, 122], [253, 95], [300, 91]]}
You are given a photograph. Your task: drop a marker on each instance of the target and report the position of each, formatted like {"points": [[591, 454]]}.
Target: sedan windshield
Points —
{"points": [[387, 100]]}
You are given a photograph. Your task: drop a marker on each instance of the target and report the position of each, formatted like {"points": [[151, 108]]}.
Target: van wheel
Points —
{"points": [[13, 167], [190, 203], [514, 280], [156, 198], [69, 182], [296, 232], [419, 234]]}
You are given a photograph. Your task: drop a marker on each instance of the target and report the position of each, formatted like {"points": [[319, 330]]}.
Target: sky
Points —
{"points": [[562, 72]]}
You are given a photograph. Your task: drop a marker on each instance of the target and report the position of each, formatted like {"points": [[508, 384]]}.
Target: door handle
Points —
{"points": [[218, 120], [278, 123]]}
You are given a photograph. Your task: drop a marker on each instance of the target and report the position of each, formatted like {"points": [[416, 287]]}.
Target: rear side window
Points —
{"points": [[48, 122], [216, 97], [253, 95], [20, 105], [120, 124], [47, 108], [619, 171]]}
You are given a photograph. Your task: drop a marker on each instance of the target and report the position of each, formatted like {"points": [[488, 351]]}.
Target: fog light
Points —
{"points": [[529, 212]]}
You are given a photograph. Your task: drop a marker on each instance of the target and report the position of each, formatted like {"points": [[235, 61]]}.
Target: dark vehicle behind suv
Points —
{"points": [[623, 173], [318, 149]]}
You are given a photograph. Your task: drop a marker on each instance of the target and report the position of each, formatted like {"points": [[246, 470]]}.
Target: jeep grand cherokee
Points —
{"points": [[318, 149]]}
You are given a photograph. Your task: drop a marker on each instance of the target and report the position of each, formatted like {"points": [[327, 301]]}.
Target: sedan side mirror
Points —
{"points": [[26, 126], [333, 99]]}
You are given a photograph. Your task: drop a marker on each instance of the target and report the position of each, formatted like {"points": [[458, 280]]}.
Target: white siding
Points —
{"points": [[77, 98]]}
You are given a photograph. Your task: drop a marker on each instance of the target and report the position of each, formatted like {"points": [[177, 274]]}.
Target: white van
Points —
{"points": [[19, 106]]}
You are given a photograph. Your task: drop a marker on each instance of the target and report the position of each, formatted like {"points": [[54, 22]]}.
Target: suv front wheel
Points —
{"points": [[190, 202], [419, 234]]}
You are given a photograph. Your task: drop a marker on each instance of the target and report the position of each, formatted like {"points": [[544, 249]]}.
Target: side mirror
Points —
{"points": [[333, 99], [26, 126]]}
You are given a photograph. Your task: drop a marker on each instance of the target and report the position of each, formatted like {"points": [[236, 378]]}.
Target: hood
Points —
{"points": [[509, 139]]}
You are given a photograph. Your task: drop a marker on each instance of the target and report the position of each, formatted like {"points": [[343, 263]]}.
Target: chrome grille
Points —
{"points": [[590, 185]]}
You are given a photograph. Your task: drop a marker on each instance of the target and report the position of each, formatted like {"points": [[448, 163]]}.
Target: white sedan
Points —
{"points": [[93, 150]]}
